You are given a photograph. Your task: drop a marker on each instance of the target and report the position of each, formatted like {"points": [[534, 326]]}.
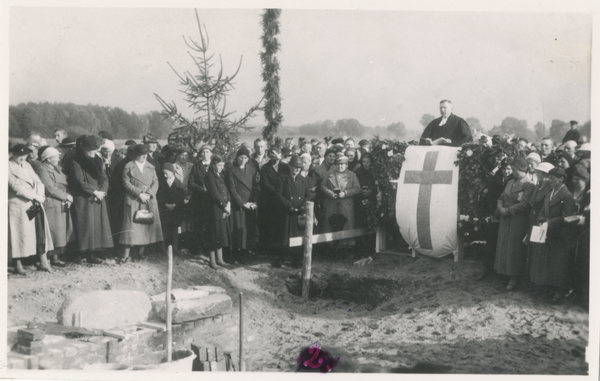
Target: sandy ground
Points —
{"points": [[396, 311]]}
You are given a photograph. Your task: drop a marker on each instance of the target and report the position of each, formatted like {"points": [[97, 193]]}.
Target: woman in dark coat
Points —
{"points": [[116, 195], [549, 261], [242, 184], [218, 217], [57, 204], [141, 184], [199, 205], [88, 183], [368, 194], [513, 208], [270, 218], [170, 203]]}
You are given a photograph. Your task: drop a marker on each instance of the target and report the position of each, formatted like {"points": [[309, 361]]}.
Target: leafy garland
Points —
{"points": [[388, 156], [477, 167]]}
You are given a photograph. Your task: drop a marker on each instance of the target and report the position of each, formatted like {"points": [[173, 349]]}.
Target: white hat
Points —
{"points": [[534, 156], [585, 147], [49, 152], [544, 167]]}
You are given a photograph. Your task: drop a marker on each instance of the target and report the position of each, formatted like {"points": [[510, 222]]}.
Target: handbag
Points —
{"points": [[143, 216], [33, 210]]}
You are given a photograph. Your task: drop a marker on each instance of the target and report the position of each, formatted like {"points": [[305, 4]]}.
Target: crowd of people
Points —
{"points": [[89, 198]]}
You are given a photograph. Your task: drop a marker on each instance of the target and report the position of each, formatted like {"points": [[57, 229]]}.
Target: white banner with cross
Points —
{"points": [[427, 199]]}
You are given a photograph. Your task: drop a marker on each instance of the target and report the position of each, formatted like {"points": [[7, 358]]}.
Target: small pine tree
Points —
{"points": [[207, 96]]}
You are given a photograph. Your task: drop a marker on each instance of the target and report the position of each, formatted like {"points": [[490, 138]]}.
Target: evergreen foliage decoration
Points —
{"points": [[477, 163], [270, 74], [207, 95], [388, 156]]}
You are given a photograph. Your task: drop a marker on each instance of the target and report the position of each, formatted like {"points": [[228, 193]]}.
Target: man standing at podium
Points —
{"points": [[448, 130]]}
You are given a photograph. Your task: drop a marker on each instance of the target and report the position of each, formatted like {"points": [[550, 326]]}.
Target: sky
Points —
{"points": [[378, 66]]}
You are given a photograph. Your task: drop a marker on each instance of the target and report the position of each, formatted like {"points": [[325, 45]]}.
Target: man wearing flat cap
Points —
{"points": [[293, 195], [573, 133], [448, 130], [270, 216]]}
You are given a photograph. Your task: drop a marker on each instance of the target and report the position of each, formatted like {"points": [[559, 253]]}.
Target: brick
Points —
{"points": [[28, 350], [50, 362], [32, 362], [83, 348], [16, 363], [30, 334], [31, 344]]}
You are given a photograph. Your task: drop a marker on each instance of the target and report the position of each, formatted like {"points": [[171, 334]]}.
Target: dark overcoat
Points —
{"points": [[90, 217], [270, 216], [243, 187], [511, 251], [170, 195], [549, 262], [136, 182], [115, 198], [218, 227], [199, 206], [55, 184], [294, 194]]}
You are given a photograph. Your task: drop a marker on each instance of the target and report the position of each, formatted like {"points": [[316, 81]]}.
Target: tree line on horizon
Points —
{"points": [[77, 120]]}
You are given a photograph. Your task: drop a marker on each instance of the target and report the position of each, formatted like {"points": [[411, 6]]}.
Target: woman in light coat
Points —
{"points": [[58, 202], [141, 184], [26, 237], [340, 188]]}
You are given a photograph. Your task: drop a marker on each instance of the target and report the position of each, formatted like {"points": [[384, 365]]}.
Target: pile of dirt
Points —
{"points": [[396, 311]]}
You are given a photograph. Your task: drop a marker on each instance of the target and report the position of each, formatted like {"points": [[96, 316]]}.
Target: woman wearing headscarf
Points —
{"points": [[88, 184], [57, 204], [513, 209], [550, 261], [340, 188], [218, 216], [170, 203], [241, 181], [141, 184], [26, 237]]}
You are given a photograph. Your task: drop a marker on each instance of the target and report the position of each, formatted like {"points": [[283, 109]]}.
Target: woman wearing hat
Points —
{"points": [[242, 184], [115, 198], [170, 203], [513, 209], [141, 184], [26, 237], [218, 217], [550, 261], [339, 189], [292, 198], [533, 160], [88, 184], [199, 204], [57, 204], [183, 170]]}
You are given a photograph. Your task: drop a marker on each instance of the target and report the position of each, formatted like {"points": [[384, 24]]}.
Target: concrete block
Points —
{"points": [[50, 362], [55, 352], [70, 351], [105, 309], [193, 309]]}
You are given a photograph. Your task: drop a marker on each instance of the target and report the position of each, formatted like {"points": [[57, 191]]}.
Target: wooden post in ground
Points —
{"points": [[308, 233], [241, 366], [168, 303]]}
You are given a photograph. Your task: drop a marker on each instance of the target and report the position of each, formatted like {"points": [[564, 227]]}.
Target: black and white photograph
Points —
{"points": [[361, 187]]}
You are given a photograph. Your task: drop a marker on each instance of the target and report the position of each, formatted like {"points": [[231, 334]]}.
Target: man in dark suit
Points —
{"points": [[294, 194], [448, 130], [270, 216], [547, 153], [199, 205], [573, 134]]}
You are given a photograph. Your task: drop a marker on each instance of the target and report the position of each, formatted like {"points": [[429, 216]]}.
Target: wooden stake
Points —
{"points": [[168, 302], [308, 232], [241, 331]]}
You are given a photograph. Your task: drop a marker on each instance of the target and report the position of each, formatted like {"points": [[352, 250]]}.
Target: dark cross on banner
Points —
{"points": [[426, 178]]}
